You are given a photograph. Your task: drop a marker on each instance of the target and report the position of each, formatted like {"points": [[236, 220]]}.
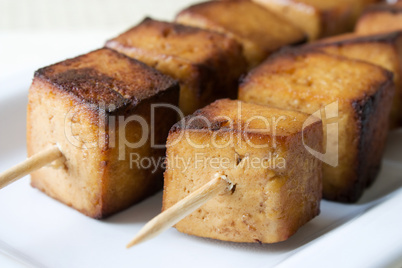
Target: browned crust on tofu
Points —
{"points": [[81, 78], [369, 157], [367, 110], [368, 160], [207, 64], [94, 180], [269, 204]]}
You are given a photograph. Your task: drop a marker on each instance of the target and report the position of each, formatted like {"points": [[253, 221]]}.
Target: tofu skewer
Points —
{"points": [[57, 79], [206, 71], [33, 163], [220, 184]]}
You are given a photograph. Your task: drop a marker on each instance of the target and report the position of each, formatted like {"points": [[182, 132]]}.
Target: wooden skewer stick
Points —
{"points": [[181, 209], [31, 164]]}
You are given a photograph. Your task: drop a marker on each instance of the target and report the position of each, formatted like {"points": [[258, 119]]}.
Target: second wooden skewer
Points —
{"points": [[181, 209]]}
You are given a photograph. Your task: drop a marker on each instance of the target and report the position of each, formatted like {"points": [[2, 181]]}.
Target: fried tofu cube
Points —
{"points": [[260, 31], [354, 98], [97, 109], [380, 18], [316, 17], [206, 64], [384, 50], [277, 182]]}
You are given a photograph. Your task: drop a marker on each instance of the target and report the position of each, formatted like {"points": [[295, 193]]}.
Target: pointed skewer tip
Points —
{"points": [[181, 209]]}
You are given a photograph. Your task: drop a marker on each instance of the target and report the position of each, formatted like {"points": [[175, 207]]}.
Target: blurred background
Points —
{"points": [[40, 32]]}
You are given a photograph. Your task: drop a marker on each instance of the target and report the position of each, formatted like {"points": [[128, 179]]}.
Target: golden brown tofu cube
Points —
{"points": [[355, 99], [259, 31], [380, 18], [97, 109], [278, 183], [384, 50], [318, 18], [207, 64]]}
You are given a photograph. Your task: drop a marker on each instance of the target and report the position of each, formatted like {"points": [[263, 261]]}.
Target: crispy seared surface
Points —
{"points": [[269, 203], [259, 31], [207, 64], [83, 105], [380, 18], [308, 81], [106, 76], [384, 50]]}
